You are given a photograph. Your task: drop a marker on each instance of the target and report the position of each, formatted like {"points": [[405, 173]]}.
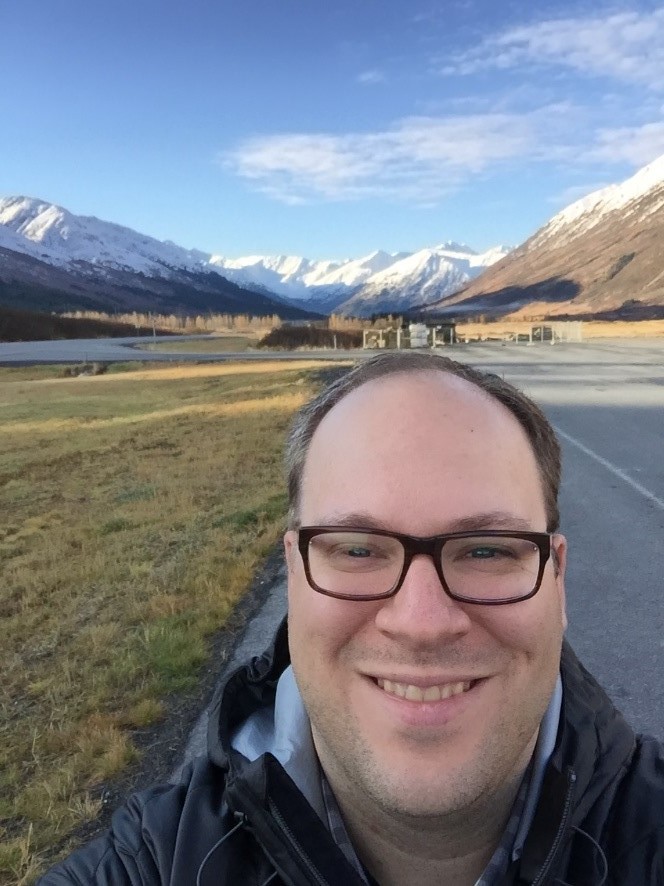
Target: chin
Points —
{"points": [[415, 791]]}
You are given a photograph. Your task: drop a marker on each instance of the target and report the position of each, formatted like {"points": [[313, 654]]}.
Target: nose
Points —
{"points": [[421, 612]]}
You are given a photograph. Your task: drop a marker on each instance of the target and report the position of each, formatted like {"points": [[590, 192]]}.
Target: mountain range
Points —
{"points": [[69, 261], [601, 256], [378, 282], [53, 260]]}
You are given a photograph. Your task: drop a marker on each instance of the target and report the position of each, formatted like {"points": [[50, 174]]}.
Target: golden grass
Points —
{"points": [[219, 410], [136, 507], [621, 329], [591, 328]]}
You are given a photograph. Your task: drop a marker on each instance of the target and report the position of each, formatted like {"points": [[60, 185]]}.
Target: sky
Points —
{"points": [[327, 129]]}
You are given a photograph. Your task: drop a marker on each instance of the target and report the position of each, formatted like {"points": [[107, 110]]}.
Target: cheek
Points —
{"points": [[320, 628], [532, 630]]}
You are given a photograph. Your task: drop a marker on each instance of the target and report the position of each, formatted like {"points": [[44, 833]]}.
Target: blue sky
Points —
{"points": [[326, 129]]}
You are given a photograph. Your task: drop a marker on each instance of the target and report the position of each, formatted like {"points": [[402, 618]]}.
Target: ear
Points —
{"points": [[559, 544], [290, 549]]}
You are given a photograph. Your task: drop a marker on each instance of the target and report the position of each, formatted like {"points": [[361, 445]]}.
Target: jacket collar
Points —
{"points": [[245, 690]]}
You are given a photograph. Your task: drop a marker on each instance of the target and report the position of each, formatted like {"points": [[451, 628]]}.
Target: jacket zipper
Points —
{"points": [[304, 858], [539, 879]]}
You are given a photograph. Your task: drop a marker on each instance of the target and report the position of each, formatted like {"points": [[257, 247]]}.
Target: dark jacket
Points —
{"points": [[600, 817]]}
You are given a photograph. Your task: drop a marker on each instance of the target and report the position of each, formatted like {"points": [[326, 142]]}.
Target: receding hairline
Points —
{"points": [[465, 390], [490, 417], [539, 433]]}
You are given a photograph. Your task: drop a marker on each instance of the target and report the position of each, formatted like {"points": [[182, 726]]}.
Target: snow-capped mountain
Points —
{"points": [[57, 236], [600, 255], [104, 252], [51, 259], [377, 282], [290, 276], [588, 212], [325, 284], [420, 278]]}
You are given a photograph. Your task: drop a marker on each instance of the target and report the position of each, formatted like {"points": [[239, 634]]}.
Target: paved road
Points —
{"points": [[119, 350], [607, 402]]}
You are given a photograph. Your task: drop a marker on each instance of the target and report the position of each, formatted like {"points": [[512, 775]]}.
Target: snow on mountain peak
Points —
{"points": [[58, 237], [587, 212], [456, 248], [55, 235]]}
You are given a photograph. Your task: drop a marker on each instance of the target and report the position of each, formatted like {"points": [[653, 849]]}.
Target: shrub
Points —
{"points": [[291, 337]]}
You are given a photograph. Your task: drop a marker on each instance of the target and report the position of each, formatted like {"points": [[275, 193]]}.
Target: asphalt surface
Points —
{"points": [[119, 350], [606, 399]]}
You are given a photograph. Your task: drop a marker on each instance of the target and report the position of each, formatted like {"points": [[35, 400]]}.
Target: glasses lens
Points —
{"points": [[490, 568], [355, 563]]}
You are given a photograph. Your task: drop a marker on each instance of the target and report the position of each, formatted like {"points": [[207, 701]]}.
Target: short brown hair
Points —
{"points": [[541, 435]]}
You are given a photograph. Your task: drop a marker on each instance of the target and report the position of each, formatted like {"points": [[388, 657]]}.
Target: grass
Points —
{"points": [[217, 344], [137, 506], [591, 328]]}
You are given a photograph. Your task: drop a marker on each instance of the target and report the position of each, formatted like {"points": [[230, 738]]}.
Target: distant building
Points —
{"points": [[415, 335]]}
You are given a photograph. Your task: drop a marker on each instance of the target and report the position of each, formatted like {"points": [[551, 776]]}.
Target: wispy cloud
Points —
{"points": [[627, 46], [637, 145], [576, 192], [418, 159], [372, 77]]}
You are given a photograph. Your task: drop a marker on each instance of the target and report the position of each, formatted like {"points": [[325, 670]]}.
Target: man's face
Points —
{"points": [[423, 454]]}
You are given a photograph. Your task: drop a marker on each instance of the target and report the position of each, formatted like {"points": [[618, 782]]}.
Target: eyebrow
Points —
{"points": [[483, 520]]}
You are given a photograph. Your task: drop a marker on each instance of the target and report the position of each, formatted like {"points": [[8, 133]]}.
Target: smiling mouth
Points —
{"points": [[427, 693]]}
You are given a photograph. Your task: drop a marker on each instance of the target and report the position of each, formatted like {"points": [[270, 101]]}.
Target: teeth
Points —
{"points": [[416, 693]]}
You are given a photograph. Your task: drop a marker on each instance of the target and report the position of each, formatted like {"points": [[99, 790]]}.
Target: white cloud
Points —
{"points": [[627, 46], [421, 159], [637, 145], [576, 192], [418, 159], [372, 77]]}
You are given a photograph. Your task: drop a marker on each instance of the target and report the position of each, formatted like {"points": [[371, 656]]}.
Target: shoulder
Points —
{"points": [[152, 834], [642, 784], [634, 837]]}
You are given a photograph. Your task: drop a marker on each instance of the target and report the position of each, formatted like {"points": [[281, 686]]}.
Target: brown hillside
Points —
{"points": [[589, 266]]}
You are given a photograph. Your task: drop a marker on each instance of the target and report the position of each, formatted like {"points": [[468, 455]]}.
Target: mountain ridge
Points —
{"points": [[102, 252], [601, 254], [37, 272], [375, 283]]}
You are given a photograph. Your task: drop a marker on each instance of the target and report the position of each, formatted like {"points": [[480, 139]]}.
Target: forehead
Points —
{"points": [[425, 440]]}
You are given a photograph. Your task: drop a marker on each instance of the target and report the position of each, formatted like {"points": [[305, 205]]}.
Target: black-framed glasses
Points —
{"points": [[491, 567]]}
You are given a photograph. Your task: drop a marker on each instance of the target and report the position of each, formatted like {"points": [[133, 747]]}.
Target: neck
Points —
{"points": [[451, 848]]}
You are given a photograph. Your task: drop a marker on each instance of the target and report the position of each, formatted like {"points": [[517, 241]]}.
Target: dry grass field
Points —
{"points": [[136, 507], [591, 329], [213, 344]]}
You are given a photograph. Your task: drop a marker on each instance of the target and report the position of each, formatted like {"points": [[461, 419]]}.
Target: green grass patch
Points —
{"points": [[117, 524], [137, 493], [174, 649]]}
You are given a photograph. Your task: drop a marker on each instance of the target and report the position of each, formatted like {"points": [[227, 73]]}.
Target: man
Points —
{"points": [[433, 728]]}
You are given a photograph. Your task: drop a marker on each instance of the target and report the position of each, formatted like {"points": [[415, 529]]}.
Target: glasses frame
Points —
{"points": [[431, 546]]}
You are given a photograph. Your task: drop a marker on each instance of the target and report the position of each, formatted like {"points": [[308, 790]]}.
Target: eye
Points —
{"points": [[357, 552], [485, 553]]}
